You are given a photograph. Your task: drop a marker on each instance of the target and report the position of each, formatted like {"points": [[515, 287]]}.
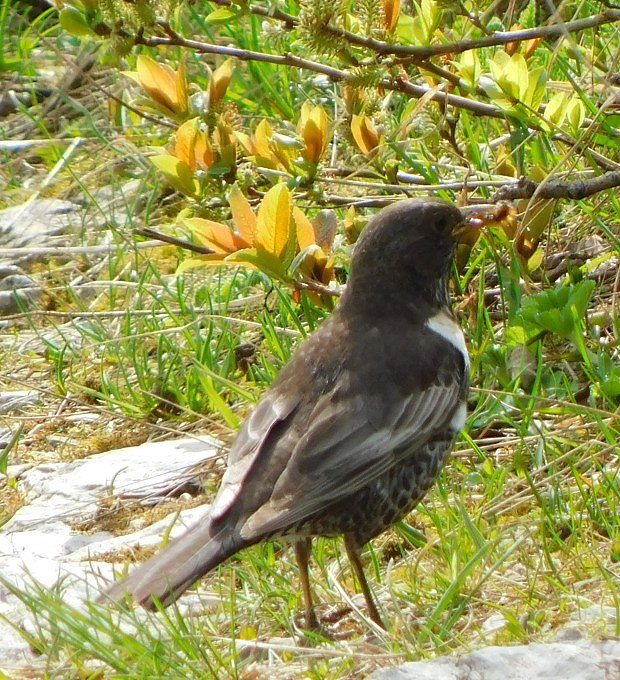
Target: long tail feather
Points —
{"points": [[167, 575]]}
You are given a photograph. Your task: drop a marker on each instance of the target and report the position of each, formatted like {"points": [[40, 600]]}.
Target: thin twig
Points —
{"points": [[173, 240]]}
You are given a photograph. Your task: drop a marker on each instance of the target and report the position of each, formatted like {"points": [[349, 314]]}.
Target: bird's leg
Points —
{"points": [[353, 553], [302, 554]]}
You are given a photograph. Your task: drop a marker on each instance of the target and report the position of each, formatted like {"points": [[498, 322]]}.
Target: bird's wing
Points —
{"points": [[349, 441], [259, 436]]}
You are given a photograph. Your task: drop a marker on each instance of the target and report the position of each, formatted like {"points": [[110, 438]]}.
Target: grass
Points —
{"points": [[518, 538]]}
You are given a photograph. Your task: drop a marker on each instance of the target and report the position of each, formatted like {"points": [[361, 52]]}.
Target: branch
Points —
{"points": [[173, 240], [415, 53], [504, 37], [557, 188], [446, 98]]}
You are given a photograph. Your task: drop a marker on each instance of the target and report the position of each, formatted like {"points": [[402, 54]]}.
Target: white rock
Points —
{"points": [[40, 548], [580, 660], [72, 491]]}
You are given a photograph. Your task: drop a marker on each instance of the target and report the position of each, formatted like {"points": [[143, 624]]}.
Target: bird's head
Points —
{"points": [[412, 243]]}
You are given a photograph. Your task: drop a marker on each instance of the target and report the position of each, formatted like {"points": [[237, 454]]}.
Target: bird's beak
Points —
{"points": [[476, 217]]}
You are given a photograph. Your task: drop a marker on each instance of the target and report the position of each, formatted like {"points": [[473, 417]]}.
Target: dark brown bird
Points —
{"points": [[356, 427]]}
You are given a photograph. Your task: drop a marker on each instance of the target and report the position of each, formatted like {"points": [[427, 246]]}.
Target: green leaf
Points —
{"points": [[536, 88], [555, 111], [555, 310], [73, 21], [575, 114], [267, 262], [222, 15], [177, 173], [404, 28], [515, 336]]}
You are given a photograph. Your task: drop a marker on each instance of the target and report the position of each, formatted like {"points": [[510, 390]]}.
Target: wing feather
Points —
{"points": [[352, 455]]}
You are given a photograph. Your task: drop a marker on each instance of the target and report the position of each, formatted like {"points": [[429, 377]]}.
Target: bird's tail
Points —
{"points": [[167, 575]]}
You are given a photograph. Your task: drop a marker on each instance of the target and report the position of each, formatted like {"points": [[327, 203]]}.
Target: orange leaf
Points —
{"points": [[303, 228], [182, 105], [205, 156], [163, 85], [314, 265], [220, 80], [365, 133], [185, 143], [313, 130], [215, 235], [391, 12], [273, 223], [242, 214]]}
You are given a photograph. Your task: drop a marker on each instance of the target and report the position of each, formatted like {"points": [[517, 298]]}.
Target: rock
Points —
{"points": [[580, 660], [71, 492], [16, 401], [494, 624], [601, 615], [18, 292], [39, 544], [34, 222]]}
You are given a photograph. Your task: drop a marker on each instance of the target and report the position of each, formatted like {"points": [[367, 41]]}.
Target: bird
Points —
{"points": [[357, 425]]}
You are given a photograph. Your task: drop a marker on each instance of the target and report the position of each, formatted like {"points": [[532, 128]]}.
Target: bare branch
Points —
{"points": [[556, 188], [504, 37], [416, 53]]}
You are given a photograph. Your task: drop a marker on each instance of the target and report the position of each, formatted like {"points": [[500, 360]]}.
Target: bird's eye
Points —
{"points": [[441, 225]]}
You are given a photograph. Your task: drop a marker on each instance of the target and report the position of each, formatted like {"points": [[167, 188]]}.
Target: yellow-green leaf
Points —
{"points": [[555, 111], [575, 114], [178, 173], [273, 222], [261, 259], [536, 260], [74, 22], [243, 215], [469, 67], [536, 88], [204, 261], [520, 74]]}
